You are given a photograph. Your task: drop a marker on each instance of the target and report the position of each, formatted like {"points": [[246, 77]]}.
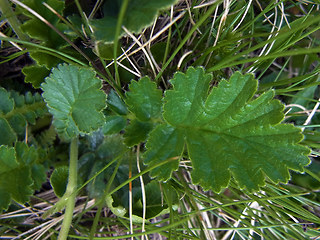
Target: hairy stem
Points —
{"points": [[71, 190]]}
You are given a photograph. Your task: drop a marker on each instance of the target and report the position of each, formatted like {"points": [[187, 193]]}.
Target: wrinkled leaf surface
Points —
{"points": [[75, 100], [227, 132]]}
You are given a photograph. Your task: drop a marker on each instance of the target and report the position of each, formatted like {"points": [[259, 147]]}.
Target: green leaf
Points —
{"points": [[144, 99], [47, 137], [43, 59], [26, 155], [29, 157], [139, 14], [8, 136], [105, 50], [16, 185], [7, 158], [6, 103], [39, 176], [18, 180], [91, 163], [40, 31], [35, 74], [113, 124], [16, 111], [116, 104], [112, 149], [97, 187], [227, 132], [59, 180], [75, 99], [137, 132], [154, 199], [165, 142], [85, 163], [37, 29]]}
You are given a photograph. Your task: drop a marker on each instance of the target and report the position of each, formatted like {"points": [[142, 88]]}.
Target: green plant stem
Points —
{"points": [[81, 12], [62, 35], [166, 52], [117, 34], [71, 190], [7, 12], [50, 51]]}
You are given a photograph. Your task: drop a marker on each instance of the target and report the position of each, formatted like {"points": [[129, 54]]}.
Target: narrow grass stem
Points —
{"points": [[188, 36], [117, 34], [62, 35], [7, 12], [82, 14], [166, 52], [71, 190]]}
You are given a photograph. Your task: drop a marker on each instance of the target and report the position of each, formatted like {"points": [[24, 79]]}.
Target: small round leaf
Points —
{"points": [[75, 99]]}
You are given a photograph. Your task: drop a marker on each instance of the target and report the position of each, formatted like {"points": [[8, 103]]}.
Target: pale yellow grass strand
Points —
{"points": [[52, 27], [13, 43], [152, 30], [222, 20], [142, 48], [128, 69], [264, 50], [202, 5], [44, 227], [131, 63], [122, 57], [206, 223], [182, 58], [243, 16], [143, 193], [253, 205], [308, 120]]}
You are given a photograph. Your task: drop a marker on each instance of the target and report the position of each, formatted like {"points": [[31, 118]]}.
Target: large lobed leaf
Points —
{"points": [[75, 100], [116, 104], [20, 173], [16, 112], [35, 74], [45, 36], [227, 132], [144, 100], [40, 31], [37, 29]]}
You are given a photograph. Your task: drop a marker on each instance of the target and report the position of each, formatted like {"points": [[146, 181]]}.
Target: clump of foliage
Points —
{"points": [[196, 126]]}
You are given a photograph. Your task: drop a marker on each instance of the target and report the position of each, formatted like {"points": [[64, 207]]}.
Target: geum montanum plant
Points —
{"points": [[226, 131]]}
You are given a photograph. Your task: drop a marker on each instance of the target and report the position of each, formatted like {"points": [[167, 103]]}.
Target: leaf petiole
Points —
{"points": [[71, 190]]}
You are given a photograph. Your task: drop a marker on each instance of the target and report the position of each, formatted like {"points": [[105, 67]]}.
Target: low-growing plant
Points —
{"points": [[210, 128]]}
